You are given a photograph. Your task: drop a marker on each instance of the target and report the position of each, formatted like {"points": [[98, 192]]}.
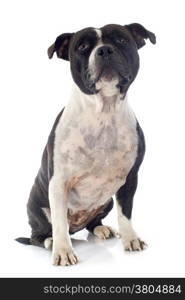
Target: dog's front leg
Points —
{"points": [[124, 196], [62, 252]]}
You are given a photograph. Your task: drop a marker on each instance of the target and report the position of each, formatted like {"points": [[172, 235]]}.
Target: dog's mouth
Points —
{"points": [[108, 74]]}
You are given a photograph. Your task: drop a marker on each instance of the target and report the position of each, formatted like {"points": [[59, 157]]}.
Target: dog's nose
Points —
{"points": [[105, 51]]}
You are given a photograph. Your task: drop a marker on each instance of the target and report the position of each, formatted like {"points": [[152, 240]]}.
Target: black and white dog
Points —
{"points": [[96, 146]]}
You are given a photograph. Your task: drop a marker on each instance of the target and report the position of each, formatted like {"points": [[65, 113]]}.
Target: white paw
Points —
{"points": [[48, 243], [105, 232], [134, 245], [64, 257]]}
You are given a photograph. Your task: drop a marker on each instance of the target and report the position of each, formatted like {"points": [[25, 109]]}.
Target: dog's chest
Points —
{"points": [[95, 153]]}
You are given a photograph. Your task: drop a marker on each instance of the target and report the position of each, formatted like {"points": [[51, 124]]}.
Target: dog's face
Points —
{"points": [[105, 55]]}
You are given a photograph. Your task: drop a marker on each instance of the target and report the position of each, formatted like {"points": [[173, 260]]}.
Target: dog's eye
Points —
{"points": [[83, 47], [121, 40]]}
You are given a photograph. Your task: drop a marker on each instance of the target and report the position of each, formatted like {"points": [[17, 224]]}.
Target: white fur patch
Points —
{"points": [[92, 58], [107, 88], [92, 67], [98, 32]]}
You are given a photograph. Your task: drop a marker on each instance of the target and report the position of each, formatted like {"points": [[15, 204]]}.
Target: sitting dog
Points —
{"points": [[95, 147]]}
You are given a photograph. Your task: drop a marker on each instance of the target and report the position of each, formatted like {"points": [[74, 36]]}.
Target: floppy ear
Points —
{"points": [[139, 33], [61, 46]]}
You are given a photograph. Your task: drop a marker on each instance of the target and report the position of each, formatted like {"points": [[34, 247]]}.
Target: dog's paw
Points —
{"points": [[105, 232], [64, 257], [134, 245], [48, 243]]}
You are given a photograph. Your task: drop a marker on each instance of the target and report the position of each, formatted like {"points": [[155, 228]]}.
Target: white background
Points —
{"points": [[34, 89]]}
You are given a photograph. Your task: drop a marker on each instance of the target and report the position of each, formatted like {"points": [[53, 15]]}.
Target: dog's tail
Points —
{"points": [[23, 240]]}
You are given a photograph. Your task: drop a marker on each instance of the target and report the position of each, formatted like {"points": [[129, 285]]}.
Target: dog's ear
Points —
{"points": [[139, 33], [61, 46]]}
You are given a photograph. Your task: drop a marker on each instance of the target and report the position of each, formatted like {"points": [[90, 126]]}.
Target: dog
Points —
{"points": [[95, 147]]}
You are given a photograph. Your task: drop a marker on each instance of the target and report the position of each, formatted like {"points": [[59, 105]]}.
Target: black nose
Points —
{"points": [[105, 51]]}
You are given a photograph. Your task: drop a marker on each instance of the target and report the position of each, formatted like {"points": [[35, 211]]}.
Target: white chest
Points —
{"points": [[94, 152]]}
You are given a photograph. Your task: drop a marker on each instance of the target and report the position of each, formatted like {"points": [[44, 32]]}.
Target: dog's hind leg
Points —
{"points": [[38, 220], [40, 225]]}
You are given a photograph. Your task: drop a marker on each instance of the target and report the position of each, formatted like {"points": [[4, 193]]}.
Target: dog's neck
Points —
{"points": [[88, 111], [108, 99]]}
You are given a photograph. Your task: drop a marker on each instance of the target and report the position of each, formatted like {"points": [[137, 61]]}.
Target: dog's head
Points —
{"points": [[101, 57]]}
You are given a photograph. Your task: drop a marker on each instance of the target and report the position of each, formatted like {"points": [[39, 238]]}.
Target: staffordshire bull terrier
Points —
{"points": [[95, 147]]}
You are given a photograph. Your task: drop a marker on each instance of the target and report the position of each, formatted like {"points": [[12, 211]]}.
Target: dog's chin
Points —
{"points": [[108, 75], [118, 80], [107, 84], [106, 81]]}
